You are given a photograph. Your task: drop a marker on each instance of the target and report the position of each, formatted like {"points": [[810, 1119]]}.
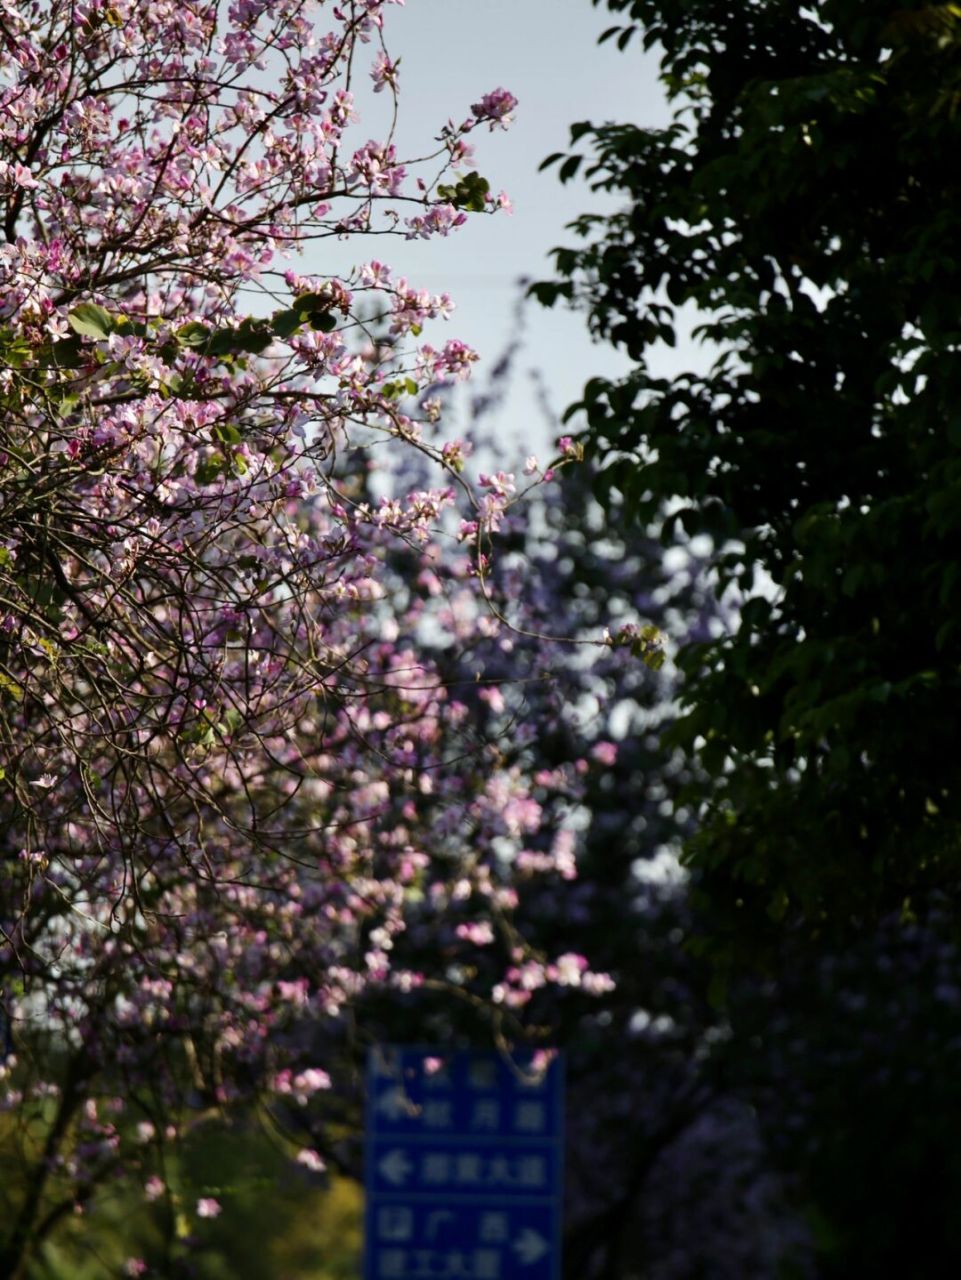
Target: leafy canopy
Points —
{"points": [[802, 201]]}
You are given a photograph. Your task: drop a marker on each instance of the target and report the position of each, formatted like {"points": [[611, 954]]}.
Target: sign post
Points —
{"points": [[463, 1166]]}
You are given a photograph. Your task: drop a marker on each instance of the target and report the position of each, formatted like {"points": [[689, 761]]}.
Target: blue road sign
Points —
{"points": [[463, 1166]]}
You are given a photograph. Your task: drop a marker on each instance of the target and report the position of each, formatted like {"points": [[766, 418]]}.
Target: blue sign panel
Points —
{"points": [[463, 1166]]}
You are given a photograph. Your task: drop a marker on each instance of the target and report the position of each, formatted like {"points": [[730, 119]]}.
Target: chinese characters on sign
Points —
{"points": [[463, 1166]]}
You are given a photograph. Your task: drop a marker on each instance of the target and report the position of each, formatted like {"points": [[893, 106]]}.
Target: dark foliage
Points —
{"points": [[803, 202]]}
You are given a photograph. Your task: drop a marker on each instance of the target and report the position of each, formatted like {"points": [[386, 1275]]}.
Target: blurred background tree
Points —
{"points": [[667, 1173]]}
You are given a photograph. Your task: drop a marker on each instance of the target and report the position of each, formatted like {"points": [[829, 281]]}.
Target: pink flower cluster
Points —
{"points": [[496, 108], [236, 761]]}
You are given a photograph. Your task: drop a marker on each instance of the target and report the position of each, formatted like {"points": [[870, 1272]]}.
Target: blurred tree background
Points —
{"points": [[643, 1103], [277, 1222]]}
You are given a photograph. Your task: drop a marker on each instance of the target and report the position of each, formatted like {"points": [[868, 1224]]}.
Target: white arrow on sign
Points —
{"points": [[395, 1104], [395, 1167], [530, 1246]]}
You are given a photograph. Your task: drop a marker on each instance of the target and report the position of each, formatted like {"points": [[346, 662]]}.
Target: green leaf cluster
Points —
{"points": [[251, 336], [469, 192]]}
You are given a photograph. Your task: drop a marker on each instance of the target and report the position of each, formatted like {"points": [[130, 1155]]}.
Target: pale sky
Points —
{"points": [[544, 52]]}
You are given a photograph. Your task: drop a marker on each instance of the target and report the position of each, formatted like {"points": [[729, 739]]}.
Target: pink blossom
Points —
{"points": [[496, 108], [569, 969], [454, 453], [20, 175], [384, 72], [480, 932], [311, 1160], [439, 220], [494, 699]]}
